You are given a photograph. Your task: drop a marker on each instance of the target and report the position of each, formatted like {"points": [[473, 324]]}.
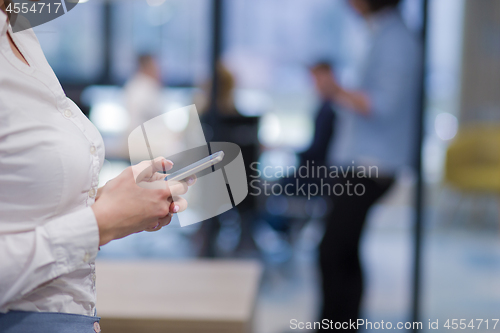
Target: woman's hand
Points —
{"points": [[137, 200]]}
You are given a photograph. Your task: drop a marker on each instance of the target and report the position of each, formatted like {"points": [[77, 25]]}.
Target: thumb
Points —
{"points": [[146, 169]]}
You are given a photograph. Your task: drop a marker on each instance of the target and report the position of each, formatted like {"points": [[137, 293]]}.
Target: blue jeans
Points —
{"points": [[47, 322]]}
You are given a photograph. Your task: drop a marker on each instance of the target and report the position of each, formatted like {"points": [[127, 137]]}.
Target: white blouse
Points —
{"points": [[50, 157]]}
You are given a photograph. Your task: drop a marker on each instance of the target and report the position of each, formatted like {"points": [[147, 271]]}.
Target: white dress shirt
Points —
{"points": [[50, 157]]}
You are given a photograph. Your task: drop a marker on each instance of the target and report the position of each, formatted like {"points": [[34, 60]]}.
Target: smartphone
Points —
{"points": [[196, 167]]}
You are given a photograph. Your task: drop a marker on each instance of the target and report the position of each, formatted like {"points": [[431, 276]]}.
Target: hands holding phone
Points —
{"points": [[139, 200]]}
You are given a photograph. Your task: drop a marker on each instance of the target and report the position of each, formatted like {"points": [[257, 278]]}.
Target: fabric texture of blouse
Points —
{"points": [[50, 158]]}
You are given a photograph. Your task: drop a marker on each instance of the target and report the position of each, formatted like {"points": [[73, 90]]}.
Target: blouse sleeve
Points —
{"points": [[34, 257]]}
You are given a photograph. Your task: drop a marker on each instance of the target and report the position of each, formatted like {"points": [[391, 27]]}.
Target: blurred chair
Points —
{"points": [[473, 159], [473, 165]]}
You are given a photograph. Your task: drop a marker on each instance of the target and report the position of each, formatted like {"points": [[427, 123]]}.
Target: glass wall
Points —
{"points": [[176, 32], [74, 44]]}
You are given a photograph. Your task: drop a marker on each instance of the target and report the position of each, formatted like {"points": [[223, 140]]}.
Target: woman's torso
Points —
{"points": [[50, 157]]}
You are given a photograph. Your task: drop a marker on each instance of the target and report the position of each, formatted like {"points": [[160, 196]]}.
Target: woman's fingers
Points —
{"points": [[191, 180], [178, 205], [153, 228], [157, 176], [146, 170], [168, 189], [152, 177], [177, 187], [164, 221]]}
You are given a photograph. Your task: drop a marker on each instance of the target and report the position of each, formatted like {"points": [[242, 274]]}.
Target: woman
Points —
{"points": [[52, 216]]}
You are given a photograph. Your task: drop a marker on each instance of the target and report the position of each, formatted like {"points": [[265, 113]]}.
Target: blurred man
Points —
{"points": [[377, 133], [323, 125], [143, 92]]}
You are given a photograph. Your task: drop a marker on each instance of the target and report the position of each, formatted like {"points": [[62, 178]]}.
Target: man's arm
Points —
{"points": [[357, 101]]}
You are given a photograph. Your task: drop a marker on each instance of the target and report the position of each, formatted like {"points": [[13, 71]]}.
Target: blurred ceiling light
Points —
{"points": [[154, 3], [109, 117], [176, 120], [270, 130], [446, 126]]}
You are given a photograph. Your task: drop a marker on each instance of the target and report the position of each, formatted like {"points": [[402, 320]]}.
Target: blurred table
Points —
{"points": [[182, 297]]}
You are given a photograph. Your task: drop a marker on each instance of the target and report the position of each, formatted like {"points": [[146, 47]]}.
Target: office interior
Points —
{"points": [[267, 46]]}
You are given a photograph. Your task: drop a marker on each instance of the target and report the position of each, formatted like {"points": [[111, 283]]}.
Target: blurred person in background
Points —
{"points": [[316, 154], [325, 116], [225, 92], [224, 100], [227, 124], [376, 128], [53, 218], [143, 92]]}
